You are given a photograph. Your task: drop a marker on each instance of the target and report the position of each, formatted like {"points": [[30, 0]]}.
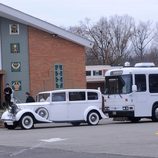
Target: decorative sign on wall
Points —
{"points": [[15, 66], [14, 29], [16, 85], [15, 48]]}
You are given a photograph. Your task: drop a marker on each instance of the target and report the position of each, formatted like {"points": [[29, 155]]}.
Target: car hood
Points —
{"points": [[33, 104]]}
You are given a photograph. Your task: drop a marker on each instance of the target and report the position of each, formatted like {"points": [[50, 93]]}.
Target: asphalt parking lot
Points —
{"points": [[110, 139]]}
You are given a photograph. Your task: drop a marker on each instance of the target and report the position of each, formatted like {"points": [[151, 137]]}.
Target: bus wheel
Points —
{"points": [[134, 119], [155, 113]]}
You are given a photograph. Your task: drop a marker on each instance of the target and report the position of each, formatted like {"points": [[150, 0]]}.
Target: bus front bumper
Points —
{"points": [[113, 113]]}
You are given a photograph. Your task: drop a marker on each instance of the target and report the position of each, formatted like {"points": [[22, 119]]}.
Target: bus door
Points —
{"points": [[140, 98]]}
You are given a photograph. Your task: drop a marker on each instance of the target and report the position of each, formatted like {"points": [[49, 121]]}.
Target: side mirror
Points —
{"points": [[134, 88]]}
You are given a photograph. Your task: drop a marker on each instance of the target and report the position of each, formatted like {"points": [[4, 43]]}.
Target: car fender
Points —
{"points": [[5, 115], [36, 116], [91, 108]]}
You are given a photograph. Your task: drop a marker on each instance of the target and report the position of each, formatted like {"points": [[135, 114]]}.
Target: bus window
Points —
{"points": [[140, 81], [153, 83], [118, 84]]}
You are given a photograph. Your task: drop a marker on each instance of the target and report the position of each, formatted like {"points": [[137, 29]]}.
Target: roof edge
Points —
{"points": [[16, 15]]}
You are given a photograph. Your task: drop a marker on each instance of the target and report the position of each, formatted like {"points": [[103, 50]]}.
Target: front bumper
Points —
{"points": [[9, 122], [8, 117], [114, 113]]}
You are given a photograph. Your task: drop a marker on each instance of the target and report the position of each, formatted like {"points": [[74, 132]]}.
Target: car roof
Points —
{"points": [[70, 90]]}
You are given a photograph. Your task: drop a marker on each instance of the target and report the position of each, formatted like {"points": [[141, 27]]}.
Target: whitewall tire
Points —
{"points": [[27, 122], [93, 118], [43, 112]]}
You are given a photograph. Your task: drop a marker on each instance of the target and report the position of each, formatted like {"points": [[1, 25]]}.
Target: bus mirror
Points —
{"points": [[134, 88]]}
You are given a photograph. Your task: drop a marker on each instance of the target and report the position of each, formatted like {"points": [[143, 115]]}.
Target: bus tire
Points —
{"points": [[155, 113]]}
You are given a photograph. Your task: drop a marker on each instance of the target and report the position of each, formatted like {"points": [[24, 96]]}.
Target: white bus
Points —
{"points": [[132, 92]]}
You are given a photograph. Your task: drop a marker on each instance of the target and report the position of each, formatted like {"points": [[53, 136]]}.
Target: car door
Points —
{"points": [[77, 105], [59, 110]]}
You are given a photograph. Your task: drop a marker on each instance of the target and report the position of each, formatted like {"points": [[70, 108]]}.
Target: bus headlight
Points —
{"points": [[106, 108], [127, 108]]}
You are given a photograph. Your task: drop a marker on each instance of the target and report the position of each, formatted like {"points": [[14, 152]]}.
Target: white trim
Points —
{"points": [[15, 15]]}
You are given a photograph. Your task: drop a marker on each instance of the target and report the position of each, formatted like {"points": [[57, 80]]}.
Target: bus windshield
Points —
{"points": [[121, 84]]}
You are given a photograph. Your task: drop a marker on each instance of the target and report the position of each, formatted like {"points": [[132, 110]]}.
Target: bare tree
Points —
{"points": [[121, 29], [142, 37], [115, 40], [100, 35], [111, 39]]}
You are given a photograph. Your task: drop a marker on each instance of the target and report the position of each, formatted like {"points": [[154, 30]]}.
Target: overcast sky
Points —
{"points": [[70, 12]]}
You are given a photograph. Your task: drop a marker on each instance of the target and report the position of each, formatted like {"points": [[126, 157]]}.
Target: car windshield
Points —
{"points": [[118, 84], [43, 97]]}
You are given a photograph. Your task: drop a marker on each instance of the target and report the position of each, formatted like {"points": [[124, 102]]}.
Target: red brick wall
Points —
{"points": [[45, 51]]}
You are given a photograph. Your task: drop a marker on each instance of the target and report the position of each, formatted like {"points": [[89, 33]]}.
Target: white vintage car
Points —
{"points": [[70, 105]]}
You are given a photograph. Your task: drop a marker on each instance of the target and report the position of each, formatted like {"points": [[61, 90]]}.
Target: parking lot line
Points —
{"points": [[52, 140]]}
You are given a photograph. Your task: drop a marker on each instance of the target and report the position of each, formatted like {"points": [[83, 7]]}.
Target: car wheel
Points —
{"points": [[155, 113], [93, 118], [27, 122], [43, 112]]}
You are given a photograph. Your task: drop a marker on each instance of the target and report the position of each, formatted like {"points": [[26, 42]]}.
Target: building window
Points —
{"points": [[16, 85], [14, 29], [15, 66], [88, 73], [59, 82], [15, 48], [97, 73]]}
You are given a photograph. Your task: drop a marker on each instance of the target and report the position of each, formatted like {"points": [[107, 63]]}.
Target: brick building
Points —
{"points": [[36, 55]]}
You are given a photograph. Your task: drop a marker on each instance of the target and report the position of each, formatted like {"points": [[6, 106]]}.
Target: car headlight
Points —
{"points": [[14, 109]]}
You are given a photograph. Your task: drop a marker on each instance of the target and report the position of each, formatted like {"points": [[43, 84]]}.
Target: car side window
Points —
{"points": [[92, 96], [57, 97], [44, 97], [76, 96]]}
